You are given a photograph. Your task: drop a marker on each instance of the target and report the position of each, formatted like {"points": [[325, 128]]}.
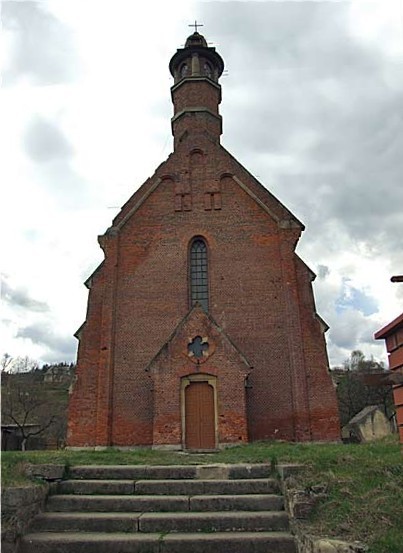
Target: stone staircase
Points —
{"points": [[163, 509]]}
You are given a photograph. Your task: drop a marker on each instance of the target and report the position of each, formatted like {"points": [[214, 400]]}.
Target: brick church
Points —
{"points": [[201, 327]]}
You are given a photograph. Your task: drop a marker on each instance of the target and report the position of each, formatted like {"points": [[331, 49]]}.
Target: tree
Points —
{"points": [[25, 409], [5, 362], [23, 401], [36, 405], [353, 391], [24, 365]]}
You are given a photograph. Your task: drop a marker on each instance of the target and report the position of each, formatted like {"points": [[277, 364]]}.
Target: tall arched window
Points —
{"points": [[198, 273]]}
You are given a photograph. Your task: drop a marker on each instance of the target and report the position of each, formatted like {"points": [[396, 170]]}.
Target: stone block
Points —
{"points": [[47, 472], [327, 545], [300, 503], [287, 470], [249, 471], [313, 544], [212, 472], [17, 497]]}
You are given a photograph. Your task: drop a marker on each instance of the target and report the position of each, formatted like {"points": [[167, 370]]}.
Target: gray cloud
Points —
{"points": [[43, 48], [44, 141], [323, 129], [19, 296], [66, 186], [323, 271], [353, 328], [47, 146], [59, 348]]}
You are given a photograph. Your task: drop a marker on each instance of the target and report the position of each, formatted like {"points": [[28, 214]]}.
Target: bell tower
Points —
{"points": [[196, 93]]}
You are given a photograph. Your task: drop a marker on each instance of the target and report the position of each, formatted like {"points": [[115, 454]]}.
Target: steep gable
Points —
{"points": [[232, 168], [199, 323]]}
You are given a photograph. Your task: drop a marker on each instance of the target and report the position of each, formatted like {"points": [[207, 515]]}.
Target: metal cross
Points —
{"points": [[197, 347], [195, 25]]}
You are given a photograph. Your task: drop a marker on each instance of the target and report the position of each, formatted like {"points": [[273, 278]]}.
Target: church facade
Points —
{"points": [[201, 328]]}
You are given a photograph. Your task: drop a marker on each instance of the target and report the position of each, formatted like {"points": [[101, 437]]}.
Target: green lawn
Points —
{"points": [[364, 482]]}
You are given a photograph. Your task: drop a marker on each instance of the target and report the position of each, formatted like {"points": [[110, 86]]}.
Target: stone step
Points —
{"points": [[245, 502], [233, 542], [199, 487], [88, 542], [116, 503], [168, 487], [82, 542], [102, 487], [245, 521], [131, 472], [168, 472], [86, 522], [144, 503], [263, 521]]}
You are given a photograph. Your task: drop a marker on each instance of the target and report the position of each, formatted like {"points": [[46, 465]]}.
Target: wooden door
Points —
{"points": [[199, 416]]}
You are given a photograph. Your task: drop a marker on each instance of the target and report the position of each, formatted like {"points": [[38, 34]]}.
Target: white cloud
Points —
{"points": [[310, 105]]}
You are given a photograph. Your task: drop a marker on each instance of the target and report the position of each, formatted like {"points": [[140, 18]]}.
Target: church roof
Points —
{"points": [[270, 203]]}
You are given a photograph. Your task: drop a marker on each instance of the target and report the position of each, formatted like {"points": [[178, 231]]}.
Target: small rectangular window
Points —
{"points": [[187, 202], [217, 200], [183, 202], [207, 201], [178, 202]]}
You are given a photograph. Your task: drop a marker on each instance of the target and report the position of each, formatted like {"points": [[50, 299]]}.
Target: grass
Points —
{"points": [[364, 481]]}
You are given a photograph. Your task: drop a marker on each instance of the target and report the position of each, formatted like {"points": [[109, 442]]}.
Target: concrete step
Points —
{"points": [[131, 472], [155, 503], [102, 487], [199, 487], [168, 472], [116, 503], [168, 487], [264, 521], [235, 542], [245, 502], [86, 522], [163, 509], [88, 542]]}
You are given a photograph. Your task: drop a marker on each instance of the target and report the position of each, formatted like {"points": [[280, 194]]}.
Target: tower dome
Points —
{"points": [[196, 59], [196, 39]]}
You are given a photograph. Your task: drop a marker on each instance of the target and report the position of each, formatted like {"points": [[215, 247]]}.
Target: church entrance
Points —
{"points": [[199, 415]]}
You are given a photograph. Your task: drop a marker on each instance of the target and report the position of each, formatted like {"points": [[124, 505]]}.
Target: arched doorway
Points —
{"points": [[199, 412]]}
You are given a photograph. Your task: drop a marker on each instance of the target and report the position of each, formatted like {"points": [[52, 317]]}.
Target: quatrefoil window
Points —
{"points": [[198, 347]]}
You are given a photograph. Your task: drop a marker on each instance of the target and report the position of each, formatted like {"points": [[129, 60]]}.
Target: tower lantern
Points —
{"points": [[196, 93]]}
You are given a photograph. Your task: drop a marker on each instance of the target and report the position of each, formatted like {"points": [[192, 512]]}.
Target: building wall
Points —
{"points": [[221, 361], [260, 295], [393, 335]]}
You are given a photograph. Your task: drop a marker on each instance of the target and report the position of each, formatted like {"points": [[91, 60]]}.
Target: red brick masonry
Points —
{"points": [[269, 361], [393, 336]]}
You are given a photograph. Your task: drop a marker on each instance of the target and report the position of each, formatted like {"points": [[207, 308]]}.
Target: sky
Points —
{"points": [[312, 107]]}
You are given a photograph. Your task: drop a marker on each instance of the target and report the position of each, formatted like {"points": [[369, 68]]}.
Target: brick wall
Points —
{"points": [[222, 361], [393, 336], [260, 295]]}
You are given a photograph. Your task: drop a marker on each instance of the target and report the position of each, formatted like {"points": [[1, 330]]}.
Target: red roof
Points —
{"points": [[389, 328]]}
